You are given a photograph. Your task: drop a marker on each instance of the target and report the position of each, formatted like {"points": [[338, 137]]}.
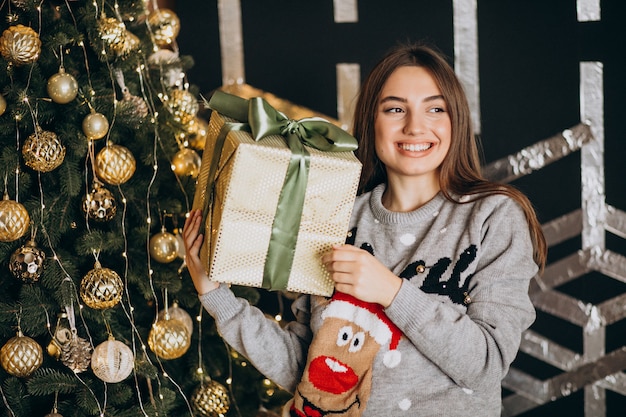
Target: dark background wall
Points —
{"points": [[529, 55]]}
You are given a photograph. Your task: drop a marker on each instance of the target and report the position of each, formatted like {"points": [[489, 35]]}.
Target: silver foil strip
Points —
{"points": [[562, 228], [348, 84], [540, 347], [539, 155], [564, 307], [616, 221], [592, 155], [466, 54], [231, 42], [610, 264], [613, 310], [615, 382], [345, 11], [514, 405], [588, 10], [562, 271], [525, 385]]}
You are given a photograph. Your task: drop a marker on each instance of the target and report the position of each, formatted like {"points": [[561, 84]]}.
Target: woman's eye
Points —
{"points": [[393, 110]]}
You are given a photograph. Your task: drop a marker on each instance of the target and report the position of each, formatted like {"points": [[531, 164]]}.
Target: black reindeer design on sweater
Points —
{"points": [[452, 288]]}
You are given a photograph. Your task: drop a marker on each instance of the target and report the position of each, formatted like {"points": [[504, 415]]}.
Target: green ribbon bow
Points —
{"points": [[261, 119]]}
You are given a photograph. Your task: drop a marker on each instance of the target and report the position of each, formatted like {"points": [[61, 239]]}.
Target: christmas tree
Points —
{"points": [[101, 135]]}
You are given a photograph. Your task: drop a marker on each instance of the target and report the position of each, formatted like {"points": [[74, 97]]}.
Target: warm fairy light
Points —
{"points": [[149, 220], [155, 167], [124, 255], [199, 371], [124, 200], [165, 375], [229, 380], [278, 317], [198, 318]]}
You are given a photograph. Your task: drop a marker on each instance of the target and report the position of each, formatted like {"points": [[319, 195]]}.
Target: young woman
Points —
{"points": [[431, 289]]}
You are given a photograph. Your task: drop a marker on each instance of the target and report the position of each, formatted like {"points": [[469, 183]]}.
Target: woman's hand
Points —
{"points": [[358, 273], [192, 239]]}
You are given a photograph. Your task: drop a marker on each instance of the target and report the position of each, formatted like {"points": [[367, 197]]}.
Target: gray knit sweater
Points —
{"points": [[461, 309]]}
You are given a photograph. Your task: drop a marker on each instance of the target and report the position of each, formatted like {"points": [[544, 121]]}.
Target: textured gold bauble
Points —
{"points": [[20, 45], [27, 262], [197, 131], [112, 33], [14, 220], [21, 356], [165, 26], [43, 151], [3, 104], [115, 164], [101, 288], [112, 361], [169, 339], [131, 44], [183, 106], [210, 400], [62, 87], [99, 204], [95, 126], [163, 247], [186, 162], [174, 312]]}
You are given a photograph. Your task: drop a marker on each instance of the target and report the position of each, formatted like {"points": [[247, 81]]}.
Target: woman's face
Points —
{"points": [[412, 127]]}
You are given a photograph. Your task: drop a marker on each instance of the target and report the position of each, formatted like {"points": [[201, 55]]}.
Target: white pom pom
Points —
{"points": [[392, 358]]}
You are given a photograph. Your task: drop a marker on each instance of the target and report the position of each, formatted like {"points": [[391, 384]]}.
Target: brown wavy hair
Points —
{"points": [[460, 171]]}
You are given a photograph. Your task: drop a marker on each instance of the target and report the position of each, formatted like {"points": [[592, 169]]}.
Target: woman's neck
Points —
{"points": [[408, 194]]}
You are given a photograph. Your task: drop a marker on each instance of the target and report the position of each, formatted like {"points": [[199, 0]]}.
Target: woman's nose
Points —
{"points": [[414, 124]]}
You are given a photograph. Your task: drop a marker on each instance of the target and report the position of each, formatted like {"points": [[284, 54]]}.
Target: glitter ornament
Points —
{"points": [[62, 87], [101, 288], [115, 164], [99, 203], [174, 312], [137, 104], [163, 246], [210, 399], [165, 26], [169, 339], [27, 262], [183, 106], [14, 219], [95, 125], [112, 361], [20, 45], [197, 131], [73, 351], [3, 104], [21, 355], [43, 151], [186, 162]]}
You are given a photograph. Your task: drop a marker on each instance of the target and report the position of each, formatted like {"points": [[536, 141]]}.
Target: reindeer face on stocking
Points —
{"points": [[338, 377]]}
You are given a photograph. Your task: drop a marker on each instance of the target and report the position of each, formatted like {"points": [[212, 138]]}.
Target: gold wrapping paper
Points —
{"points": [[249, 181]]}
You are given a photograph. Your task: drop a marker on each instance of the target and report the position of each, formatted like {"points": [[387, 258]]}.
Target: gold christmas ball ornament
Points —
{"points": [[99, 204], [115, 164], [62, 87], [95, 126], [112, 361], [197, 131], [183, 106], [27, 262], [174, 312], [186, 162], [21, 356], [165, 26], [43, 151], [3, 104], [101, 288], [112, 33], [169, 339], [210, 399], [163, 246], [20, 45], [14, 220]]}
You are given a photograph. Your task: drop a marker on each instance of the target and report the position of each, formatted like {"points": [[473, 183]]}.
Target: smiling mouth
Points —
{"points": [[415, 147]]}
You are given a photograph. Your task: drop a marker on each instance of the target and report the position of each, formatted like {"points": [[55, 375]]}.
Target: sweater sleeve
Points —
{"points": [[475, 348], [278, 353]]}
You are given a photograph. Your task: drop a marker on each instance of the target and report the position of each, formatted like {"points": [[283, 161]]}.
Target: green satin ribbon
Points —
{"points": [[263, 120]]}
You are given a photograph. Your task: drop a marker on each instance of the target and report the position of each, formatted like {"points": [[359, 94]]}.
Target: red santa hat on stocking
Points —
{"points": [[371, 318]]}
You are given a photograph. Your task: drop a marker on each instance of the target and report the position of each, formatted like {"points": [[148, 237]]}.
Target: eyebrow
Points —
{"points": [[404, 100]]}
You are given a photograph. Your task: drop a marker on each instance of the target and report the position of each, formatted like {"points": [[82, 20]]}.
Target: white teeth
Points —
{"points": [[415, 147]]}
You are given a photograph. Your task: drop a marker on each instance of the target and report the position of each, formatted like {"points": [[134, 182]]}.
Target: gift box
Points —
{"points": [[275, 193]]}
